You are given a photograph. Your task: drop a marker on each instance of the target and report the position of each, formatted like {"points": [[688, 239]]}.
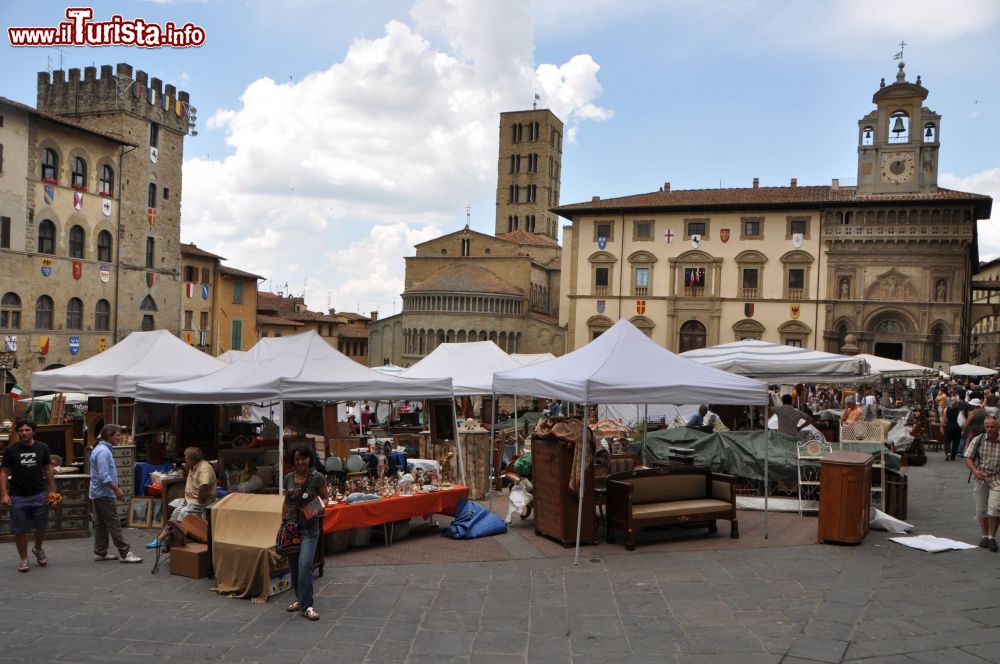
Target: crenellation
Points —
{"points": [[106, 73], [157, 85], [90, 74], [74, 76], [170, 91]]}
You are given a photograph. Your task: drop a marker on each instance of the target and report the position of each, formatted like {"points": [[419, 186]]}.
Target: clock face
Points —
{"points": [[897, 167]]}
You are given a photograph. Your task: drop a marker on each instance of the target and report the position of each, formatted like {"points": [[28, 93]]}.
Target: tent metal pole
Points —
{"points": [[116, 412], [517, 437], [767, 445], [458, 442], [579, 507], [489, 472], [281, 446]]}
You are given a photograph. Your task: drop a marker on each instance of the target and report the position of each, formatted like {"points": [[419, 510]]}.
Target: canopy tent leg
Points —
{"points": [[517, 435], [489, 472], [579, 507], [281, 446], [767, 445], [458, 443], [116, 415]]}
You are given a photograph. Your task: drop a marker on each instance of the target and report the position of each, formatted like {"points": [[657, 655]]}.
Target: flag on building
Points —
{"points": [[15, 391]]}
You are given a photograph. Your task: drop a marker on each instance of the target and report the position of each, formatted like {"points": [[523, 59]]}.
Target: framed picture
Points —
{"points": [[139, 511], [156, 514]]}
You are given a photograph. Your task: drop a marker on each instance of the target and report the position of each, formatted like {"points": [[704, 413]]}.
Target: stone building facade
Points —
{"points": [[888, 261], [279, 315], [529, 172], [985, 342]]}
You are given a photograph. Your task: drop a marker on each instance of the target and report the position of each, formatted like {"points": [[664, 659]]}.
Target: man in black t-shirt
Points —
{"points": [[26, 480]]}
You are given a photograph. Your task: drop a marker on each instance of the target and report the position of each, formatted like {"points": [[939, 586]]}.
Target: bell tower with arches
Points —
{"points": [[898, 142]]}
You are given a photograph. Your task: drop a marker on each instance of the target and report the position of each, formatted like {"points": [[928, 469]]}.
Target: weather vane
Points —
{"points": [[899, 56]]}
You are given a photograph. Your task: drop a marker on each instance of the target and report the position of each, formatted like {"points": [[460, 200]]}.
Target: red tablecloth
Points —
{"points": [[377, 512]]}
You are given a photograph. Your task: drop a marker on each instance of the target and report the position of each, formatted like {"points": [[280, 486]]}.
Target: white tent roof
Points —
{"points": [[777, 363], [895, 368], [624, 366], [231, 356], [527, 359], [302, 366], [390, 369], [970, 370], [141, 356], [469, 365]]}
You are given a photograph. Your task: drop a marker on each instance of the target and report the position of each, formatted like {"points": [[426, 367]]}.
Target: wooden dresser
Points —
{"points": [[844, 497], [555, 508], [69, 519]]}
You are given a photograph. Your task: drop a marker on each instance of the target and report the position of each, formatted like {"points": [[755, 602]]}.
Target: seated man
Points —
{"points": [[199, 493], [790, 418], [704, 419]]}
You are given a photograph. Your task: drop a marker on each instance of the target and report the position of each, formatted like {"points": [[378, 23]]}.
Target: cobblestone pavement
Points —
{"points": [[878, 602]]}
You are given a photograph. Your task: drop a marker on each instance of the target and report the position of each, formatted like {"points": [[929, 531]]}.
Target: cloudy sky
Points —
{"points": [[333, 136]]}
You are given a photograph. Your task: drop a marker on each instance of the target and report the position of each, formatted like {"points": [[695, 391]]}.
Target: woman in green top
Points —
{"points": [[301, 488]]}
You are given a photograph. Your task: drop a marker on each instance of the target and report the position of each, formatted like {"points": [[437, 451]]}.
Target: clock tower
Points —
{"points": [[898, 142]]}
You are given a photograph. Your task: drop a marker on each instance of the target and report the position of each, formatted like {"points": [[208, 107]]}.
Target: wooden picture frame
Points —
{"points": [[156, 513], [139, 511]]}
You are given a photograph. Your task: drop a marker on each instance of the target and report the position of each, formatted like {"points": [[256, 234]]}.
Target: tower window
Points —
{"points": [[50, 164], [148, 304], [466, 247], [43, 313], [74, 314], [46, 237], [102, 316], [148, 323], [150, 252], [107, 180], [79, 179], [152, 194], [10, 311], [154, 135], [930, 132], [104, 246], [867, 136], [899, 127], [4, 232], [77, 238]]}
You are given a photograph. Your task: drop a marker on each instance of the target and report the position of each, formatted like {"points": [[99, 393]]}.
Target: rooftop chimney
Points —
{"points": [[666, 186], [835, 185], [374, 315], [595, 198], [756, 183], [795, 182], [332, 311]]}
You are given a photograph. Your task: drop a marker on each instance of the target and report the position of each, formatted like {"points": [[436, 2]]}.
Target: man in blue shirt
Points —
{"points": [[105, 493]]}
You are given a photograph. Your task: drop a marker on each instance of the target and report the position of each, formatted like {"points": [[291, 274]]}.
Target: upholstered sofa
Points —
{"points": [[672, 495]]}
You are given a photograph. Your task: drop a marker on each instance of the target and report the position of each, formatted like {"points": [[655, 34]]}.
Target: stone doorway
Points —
{"points": [[693, 336], [889, 350]]}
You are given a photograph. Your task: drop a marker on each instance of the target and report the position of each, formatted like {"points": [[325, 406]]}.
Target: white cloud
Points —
{"points": [[385, 146], [985, 182]]}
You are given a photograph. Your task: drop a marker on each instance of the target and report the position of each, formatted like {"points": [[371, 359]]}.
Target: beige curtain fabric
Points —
{"points": [[244, 526]]}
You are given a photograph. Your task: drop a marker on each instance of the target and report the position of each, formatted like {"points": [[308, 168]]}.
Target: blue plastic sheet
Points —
{"points": [[472, 521]]}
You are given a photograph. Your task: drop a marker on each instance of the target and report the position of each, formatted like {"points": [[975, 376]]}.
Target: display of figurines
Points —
{"points": [[405, 485], [445, 463]]}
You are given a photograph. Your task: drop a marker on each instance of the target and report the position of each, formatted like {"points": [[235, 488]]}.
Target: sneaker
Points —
{"points": [[985, 542], [40, 557], [131, 558], [110, 556], [992, 545], [24, 566], [155, 544]]}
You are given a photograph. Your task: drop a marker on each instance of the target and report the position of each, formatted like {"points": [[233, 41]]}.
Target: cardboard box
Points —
{"points": [[190, 560]]}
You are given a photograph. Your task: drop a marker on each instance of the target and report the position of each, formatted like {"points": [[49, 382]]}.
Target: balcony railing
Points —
{"points": [[694, 291], [795, 293], [749, 293], [600, 291], [641, 291]]}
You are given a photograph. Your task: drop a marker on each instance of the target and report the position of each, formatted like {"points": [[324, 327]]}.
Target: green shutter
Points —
{"points": [[237, 338]]}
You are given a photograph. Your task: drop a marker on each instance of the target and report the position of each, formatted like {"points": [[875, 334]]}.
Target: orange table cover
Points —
{"points": [[386, 510]]}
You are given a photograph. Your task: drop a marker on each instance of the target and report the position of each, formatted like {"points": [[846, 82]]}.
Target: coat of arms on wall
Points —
{"points": [[724, 235], [796, 309]]}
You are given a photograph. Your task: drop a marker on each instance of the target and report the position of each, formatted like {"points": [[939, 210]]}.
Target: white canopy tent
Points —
{"points": [[887, 368], [141, 356], [527, 359], [623, 365], [303, 366], [231, 356], [777, 363], [971, 370]]}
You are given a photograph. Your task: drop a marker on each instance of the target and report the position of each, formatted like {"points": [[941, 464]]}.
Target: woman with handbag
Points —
{"points": [[306, 493]]}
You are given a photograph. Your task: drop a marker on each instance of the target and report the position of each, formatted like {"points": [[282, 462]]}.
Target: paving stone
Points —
{"points": [[442, 644], [504, 643], [818, 649]]}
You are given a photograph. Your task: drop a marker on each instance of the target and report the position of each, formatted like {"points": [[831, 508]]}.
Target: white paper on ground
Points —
{"points": [[931, 544], [882, 521]]}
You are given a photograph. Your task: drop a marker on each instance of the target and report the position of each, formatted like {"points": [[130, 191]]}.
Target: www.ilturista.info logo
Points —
{"points": [[80, 30]]}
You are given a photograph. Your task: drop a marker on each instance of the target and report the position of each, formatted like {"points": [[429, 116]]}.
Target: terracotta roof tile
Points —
{"points": [[353, 331], [274, 320], [238, 273], [310, 316], [521, 236], [190, 249], [750, 197], [465, 278]]}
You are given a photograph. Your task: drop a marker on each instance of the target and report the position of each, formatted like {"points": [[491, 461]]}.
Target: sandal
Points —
{"points": [[40, 557], [24, 566], [311, 614], [293, 607]]}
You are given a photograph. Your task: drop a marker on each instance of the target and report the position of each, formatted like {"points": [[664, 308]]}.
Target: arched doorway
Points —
{"points": [[693, 336], [888, 335]]}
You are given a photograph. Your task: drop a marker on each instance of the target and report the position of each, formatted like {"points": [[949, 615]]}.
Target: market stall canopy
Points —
{"points": [[895, 368], [967, 370], [390, 369], [231, 356], [469, 365], [141, 356], [527, 359], [302, 366], [777, 363], [623, 365]]}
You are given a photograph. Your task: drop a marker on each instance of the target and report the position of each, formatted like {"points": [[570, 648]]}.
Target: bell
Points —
{"points": [[929, 133], [897, 127], [868, 134]]}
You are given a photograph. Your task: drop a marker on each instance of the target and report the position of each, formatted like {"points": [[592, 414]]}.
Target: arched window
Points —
{"points": [[148, 304], [10, 311], [50, 165], [693, 335], [937, 344], [930, 132], [107, 180], [43, 313], [150, 252], [867, 136], [104, 246], [74, 314], [841, 336], [79, 173], [46, 237], [152, 194], [102, 316], [77, 238], [899, 127]]}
